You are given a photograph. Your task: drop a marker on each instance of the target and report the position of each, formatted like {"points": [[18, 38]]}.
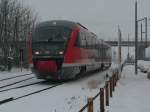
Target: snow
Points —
{"points": [[69, 97], [131, 94], [13, 72]]}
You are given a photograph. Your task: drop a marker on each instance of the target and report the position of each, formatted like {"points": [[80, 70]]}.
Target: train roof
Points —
{"points": [[64, 23]]}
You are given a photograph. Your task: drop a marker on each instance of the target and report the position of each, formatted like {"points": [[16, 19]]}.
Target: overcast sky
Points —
{"points": [[99, 16]]}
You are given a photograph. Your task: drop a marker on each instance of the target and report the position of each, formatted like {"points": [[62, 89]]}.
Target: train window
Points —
{"points": [[87, 41], [51, 34], [83, 39], [65, 33], [91, 38], [78, 41], [1, 52]]}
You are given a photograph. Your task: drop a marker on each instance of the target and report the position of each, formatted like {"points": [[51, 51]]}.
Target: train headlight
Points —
{"points": [[36, 52], [47, 52], [61, 52]]}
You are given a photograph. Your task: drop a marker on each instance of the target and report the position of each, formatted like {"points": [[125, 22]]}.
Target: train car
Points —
{"points": [[64, 49]]}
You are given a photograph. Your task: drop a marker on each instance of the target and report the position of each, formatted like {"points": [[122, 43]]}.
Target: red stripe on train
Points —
{"points": [[46, 66]]}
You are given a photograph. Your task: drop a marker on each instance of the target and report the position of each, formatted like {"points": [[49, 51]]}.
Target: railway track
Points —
{"points": [[16, 82], [29, 94], [15, 77], [22, 86]]}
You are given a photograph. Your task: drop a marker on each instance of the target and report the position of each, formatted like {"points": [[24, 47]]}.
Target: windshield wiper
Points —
{"points": [[39, 41], [49, 40]]}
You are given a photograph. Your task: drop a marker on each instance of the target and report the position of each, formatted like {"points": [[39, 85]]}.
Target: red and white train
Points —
{"points": [[63, 49]]}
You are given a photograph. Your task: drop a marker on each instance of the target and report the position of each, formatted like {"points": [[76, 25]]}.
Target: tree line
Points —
{"points": [[16, 24]]}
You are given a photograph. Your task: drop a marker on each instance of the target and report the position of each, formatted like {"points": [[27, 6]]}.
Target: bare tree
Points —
{"points": [[16, 23]]}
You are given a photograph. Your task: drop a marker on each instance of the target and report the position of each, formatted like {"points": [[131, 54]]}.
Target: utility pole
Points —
{"points": [[128, 48], [144, 42], [141, 33], [142, 45], [136, 37], [145, 32], [119, 50]]}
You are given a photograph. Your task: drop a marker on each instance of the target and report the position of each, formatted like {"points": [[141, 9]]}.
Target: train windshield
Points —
{"points": [[51, 34], [53, 39]]}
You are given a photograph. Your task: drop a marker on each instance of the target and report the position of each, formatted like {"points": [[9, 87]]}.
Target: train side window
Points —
{"points": [[78, 41], [83, 40], [87, 41]]}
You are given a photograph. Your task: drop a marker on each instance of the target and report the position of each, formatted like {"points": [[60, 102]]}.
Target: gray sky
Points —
{"points": [[99, 16]]}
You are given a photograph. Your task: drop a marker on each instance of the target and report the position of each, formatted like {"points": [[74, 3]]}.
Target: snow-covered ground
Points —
{"points": [[69, 97], [131, 94], [13, 72]]}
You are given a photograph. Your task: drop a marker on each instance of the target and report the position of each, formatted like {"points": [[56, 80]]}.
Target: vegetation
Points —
{"points": [[16, 23]]}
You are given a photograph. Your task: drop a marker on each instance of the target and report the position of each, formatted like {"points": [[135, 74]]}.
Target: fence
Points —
{"points": [[104, 94]]}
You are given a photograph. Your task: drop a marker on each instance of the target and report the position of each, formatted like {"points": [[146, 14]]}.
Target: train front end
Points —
{"points": [[49, 42]]}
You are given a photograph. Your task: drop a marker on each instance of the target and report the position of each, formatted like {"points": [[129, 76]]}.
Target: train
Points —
{"points": [[63, 50]]}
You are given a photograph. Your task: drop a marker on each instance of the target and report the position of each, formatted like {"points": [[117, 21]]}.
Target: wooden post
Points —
{"points": [[107, 94], [117, 76], [110, 86], [115, 80], [102, 108], [113, 83], [90, 105]]}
